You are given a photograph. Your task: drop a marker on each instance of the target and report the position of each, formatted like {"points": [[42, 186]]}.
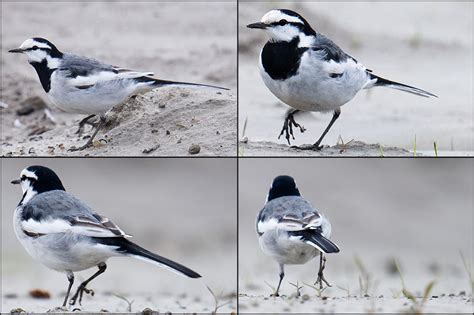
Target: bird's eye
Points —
{"points": [[23, 177], [34, 47], [282, 22]]}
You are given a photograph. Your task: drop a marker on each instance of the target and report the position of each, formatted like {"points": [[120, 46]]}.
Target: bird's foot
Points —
{"points": [[79, 293], [84, 122], [321, 279], [287, 128], [85, 146], [274, 294]]}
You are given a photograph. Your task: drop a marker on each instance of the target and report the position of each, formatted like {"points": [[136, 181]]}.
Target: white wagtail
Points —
{"points": [[308, 72], [291, 231], [66, 235], [82, 85]]}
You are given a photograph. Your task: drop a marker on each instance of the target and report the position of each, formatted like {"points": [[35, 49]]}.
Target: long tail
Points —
{"points": [[316, 239], [158, 83], [128, 248], [399, 86]]}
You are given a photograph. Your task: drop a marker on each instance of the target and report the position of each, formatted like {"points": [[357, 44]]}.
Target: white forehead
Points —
{"points": [[28, 173], [30, 42], [277, 15]]}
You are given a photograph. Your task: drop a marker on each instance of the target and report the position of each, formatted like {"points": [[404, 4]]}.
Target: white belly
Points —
{"points": [[312, 89]]}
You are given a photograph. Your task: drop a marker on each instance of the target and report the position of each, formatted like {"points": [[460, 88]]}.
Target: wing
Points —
{"points": [[85, 72], [60, 212]]}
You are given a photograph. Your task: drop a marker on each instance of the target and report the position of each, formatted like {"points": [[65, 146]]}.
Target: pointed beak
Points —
{"points": [[16, 50], [16, 181], [258, 25]]}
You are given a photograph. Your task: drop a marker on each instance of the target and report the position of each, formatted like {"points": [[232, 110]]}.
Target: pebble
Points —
{"points": [[149, 150], [194, 149]]}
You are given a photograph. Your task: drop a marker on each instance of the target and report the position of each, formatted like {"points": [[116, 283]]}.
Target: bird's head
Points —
{"points": [[283, 25], [38, 50], [283, 185], [37, 179]]}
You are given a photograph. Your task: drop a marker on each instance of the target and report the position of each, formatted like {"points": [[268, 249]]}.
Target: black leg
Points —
{"points": [[91, 139], [288, 126], [282, 275], [83, 122], [322, 266], [70, 277], [317, 146], [82, 287]]}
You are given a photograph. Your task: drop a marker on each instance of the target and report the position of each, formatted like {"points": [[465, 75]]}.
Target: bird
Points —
{"points": [[292, 231], [82, 85], [65, 234], [309, 72]]}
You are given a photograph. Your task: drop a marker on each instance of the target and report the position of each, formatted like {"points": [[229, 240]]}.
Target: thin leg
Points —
{"points": [[91, 139], [70, 277], [282, 275], [82, 287], [317, 146], [288, 126], [322, 266], [83, 122]]}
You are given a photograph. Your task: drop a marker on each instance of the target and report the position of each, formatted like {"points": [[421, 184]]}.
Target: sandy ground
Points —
{"points": [[402, 41], [353, 148], [416, 211], [127, 191], [143, 36]]}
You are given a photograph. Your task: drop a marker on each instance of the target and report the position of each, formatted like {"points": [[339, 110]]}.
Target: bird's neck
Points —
{"points": [[27, 195]]}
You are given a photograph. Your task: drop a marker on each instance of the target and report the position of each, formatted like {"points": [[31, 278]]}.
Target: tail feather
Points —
{"points": [[128, 248], [159, 83], [316, 239], [399, 86]]}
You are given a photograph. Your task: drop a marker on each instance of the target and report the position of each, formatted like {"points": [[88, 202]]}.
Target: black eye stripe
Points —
{"points": [[37, 48], [285, 22]]}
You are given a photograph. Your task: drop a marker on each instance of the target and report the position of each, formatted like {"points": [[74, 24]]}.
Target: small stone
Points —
{"points": [[462, 293], [366, 295], [161, 105], [217, 132], [29, 105], [40, 294], [149, 150], [434, 296], [149, 311], [154, 130], [17, 311], [11, 296], [31, 150], [194, 149], [179, 141], [168, 132]]}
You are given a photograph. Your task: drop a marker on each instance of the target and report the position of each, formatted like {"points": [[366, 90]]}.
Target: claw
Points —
{"points": [[288, 127]]}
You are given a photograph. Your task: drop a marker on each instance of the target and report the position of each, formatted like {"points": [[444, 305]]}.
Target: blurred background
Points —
{"points": [[182, 209], [425, 44], [418, 211]]}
